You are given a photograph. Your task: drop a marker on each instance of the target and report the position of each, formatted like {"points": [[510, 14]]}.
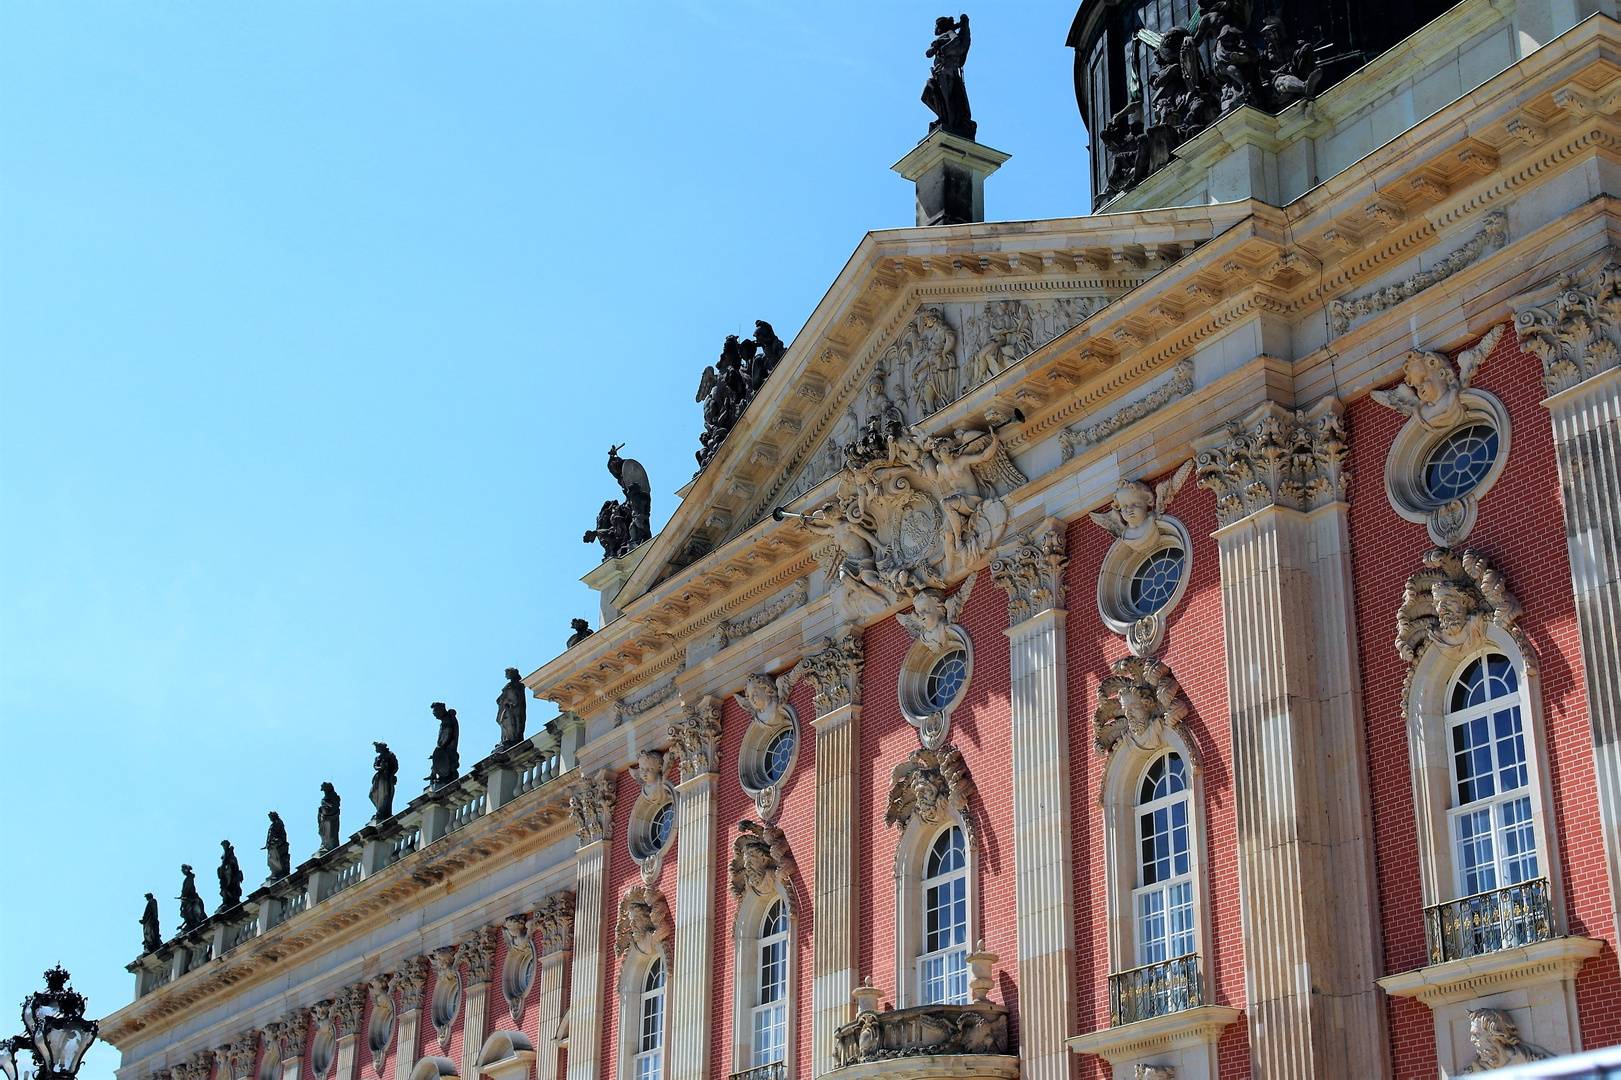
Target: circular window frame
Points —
{"points": [[640, 839], [912, 689], [753, 755], [1143, 633], [1449, 521]]}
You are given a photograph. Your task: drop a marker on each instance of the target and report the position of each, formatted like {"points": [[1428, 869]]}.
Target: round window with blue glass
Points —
{"points": [[945, 680], [1156, 579], [1458, 464], [779, 752], [658, 829]]}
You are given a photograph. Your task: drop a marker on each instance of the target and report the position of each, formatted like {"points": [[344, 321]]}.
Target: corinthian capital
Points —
{"points": [[1575, 332], [697, 738], [591, 805], [1275, 456], [1031, 571], [553, 924], [835, 672], [478, 953], [348, 1010]]}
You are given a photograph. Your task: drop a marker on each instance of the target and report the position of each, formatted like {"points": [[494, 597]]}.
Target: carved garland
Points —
{"points": [[1078, 438], [1493, 234]]}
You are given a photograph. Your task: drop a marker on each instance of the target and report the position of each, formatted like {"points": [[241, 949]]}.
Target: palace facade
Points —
{"points": [[1187, 646]]}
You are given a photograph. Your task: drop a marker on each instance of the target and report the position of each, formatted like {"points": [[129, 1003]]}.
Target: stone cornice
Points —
{"points": [[1478, 976]]}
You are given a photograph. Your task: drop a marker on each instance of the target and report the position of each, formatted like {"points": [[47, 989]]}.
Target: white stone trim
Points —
{"points": [[692, 973], [917, 837], [505, 1055], [751, 909], [1184, 1041], [584, 1017], [836, 883]]}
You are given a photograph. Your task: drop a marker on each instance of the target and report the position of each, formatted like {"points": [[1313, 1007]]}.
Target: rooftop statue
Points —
{"points": [[278, 853], [945, 93], [385, 774], [623, 525], [230, 875], [728, 386], [582, 630], [447, 762], [193, 912], [511, 710], [326, 816], [151, 932], [771, 348]]}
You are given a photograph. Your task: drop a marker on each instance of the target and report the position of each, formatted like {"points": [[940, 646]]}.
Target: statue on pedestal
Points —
{"points": [[447, 762], [623, 524], [326, 816], [385, 773], [230, 875], [151, 932], [511, 711], [193, 912], [278, 852], [945, 93]]}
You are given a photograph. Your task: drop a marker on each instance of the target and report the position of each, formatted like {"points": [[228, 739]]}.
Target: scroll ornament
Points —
{"points": [[834, 672], [590, 804], [1577, 334]]}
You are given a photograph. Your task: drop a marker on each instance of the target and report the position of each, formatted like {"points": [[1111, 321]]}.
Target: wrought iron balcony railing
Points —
{"points": [[777, 1070], [1489, 922], [1155, 990]]}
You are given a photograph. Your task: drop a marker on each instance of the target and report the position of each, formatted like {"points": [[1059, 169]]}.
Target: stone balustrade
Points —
{"points": [[923, 1031]]}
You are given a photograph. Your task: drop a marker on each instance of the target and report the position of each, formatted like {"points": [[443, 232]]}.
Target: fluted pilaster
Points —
{"points": [[693, 963], [586, 997]]}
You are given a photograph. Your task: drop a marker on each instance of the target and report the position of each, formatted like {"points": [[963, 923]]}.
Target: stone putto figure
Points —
{"points": [[511, 711], [278, 852], [193, 912], [1430, 391], [1497, 1042], [1133, 517], [582, 630], [945, 93], [230, 877], [151, 932], [933, 613], [447, 761], [385, 773], [623, 524], [326, 816]]}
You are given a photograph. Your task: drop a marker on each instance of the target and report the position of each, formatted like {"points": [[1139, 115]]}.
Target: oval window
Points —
{"points": [[1458, 463], [946, 679], [1156, 579], [778, 753], [658, 829]]}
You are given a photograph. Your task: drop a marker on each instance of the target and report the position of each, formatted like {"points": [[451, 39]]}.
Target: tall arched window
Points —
{"points": [[650, 1041], [1163, 899], [1493, 836], [770, 1027], [943, 966]]}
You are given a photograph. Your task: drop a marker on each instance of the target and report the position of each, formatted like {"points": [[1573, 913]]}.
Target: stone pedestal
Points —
{"points": [[609, 577], [950, 174]]}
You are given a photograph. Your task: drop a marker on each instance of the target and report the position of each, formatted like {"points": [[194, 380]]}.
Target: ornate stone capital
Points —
{"points": [[347, 1010], [928, 786], [1275, 456], [644, 921], [835, 672], [197, 1067], [554, 923], [1575, 331], [1450, 603], [761, 861], [291, 1032], [1031, 571], [1140, 698], [591, 805], [478, 953], [444, 960], [239, 1056], [412, 981], [697, 738]]}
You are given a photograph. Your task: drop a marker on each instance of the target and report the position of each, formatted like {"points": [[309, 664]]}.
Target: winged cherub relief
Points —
{"points": [[1133, 517], [1430, 391], [1136, 702], [929, 785], [765, 698], [934, 613]]}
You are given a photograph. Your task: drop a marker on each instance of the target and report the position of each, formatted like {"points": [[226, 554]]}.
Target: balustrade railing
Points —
{"points": [[342, 879], [465, 814], [1489, 922], [542, 771], [1155, 990], [243, 932], [775, 1071], [403, 845]]}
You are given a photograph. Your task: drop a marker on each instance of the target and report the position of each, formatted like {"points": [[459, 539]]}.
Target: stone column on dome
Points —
{"points": [[835, 675], [697, 745], [553, 931], [1031, 571], [1305, 861], [591, 804], [347, 1012], [411, 982], [1572, 328], [478, 953]]}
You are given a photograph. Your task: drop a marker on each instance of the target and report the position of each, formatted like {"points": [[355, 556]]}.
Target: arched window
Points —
{"points": [[769, 1042], [943, 965], [650, 1040], [1494, 840], [1163, 898]]}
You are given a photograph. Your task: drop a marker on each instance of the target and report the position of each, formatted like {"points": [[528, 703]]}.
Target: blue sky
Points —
{"points": [[315, 323]]}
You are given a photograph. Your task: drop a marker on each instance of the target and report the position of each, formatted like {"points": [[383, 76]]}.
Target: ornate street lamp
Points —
{"points": [[55, 1031]]}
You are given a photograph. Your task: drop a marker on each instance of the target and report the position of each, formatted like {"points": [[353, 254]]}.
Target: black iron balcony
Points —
{"points": [[1489, 922], [1155, 990], [777, 1070]]}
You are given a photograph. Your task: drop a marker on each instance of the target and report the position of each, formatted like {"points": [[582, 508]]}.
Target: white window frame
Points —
{"points": [[633, 994], [1139, 890], [911, 863], [1492, 804], [747, 942]]}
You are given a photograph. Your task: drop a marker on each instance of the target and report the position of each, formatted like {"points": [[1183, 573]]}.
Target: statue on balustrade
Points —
{"points": [[230, 876], [624, 524], [727, 387], [770, 349], [151, 932], [193, 912], [582, 630], [447, 762], [945, 93], [326, 816], [278, 852], [385, 774], [511, 711]]}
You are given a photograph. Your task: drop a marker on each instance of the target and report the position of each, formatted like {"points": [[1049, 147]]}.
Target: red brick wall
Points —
{"points": [[1521, 529]]}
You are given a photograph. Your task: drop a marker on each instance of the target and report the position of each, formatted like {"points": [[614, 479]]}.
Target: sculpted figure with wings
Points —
{"points": [[1430, 391], [765, 697], [1133, 516], [933, 613]]}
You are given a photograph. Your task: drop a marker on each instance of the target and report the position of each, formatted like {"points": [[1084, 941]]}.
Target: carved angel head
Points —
{"points": [[765, 697], [649, 769], [1431, 389], [933, 613], [1134, 512]]}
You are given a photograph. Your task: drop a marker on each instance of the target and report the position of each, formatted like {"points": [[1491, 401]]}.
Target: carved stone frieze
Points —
{"points": [[697, 738], [478, 953], [1450, 603], [626, 709], [999, 337], [1577, 333], [554, 923], [923, 1031], [761, 861], [197, 1067], [644, 921], [591, 805], [1153, 1072], [412, 981], [834, 672], [1078, 438], [238, 1057], [737, 629], [1294, 458], [924, 358], [1137, 702], [1493, 234], [347, 1010], [1031, 571], [929, 785]]}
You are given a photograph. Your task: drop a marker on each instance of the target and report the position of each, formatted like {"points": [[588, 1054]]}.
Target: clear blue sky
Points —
{"points": [[315, 323]]}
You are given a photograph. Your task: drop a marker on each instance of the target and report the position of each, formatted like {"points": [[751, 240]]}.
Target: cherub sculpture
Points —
{"points": [[1133, 517], [1497, 1042], [1430, 391], [648, 770], [933, 614], [929, 785], [1141, 696], [761, 860], [855, 561], [765, 698]]}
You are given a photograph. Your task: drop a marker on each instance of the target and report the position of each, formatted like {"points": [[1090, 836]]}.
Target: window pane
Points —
{"points": [[1475, 861], [1179, 902], [1511, 772], [1472, 754], [773, 971], [1518, 842], [1151, 927], [770, 1035]]}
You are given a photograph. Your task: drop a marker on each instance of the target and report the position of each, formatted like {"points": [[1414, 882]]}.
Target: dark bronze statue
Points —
{"points": [[151, 932], [193, 912], [623, 525], [230, 875], [447, 762], [727, 387], [385, 772], [770, 348], [945, 93], [278, 852], [582, 630], [511, 710], [326, 816]]}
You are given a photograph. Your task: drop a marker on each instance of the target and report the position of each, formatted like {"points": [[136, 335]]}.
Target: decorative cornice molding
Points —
{"points": [[1275, 456], [591, 805], [697, 738], [1031, 571], [834, 672], [1493, 234], [1180, 385], [1576, 332]]}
